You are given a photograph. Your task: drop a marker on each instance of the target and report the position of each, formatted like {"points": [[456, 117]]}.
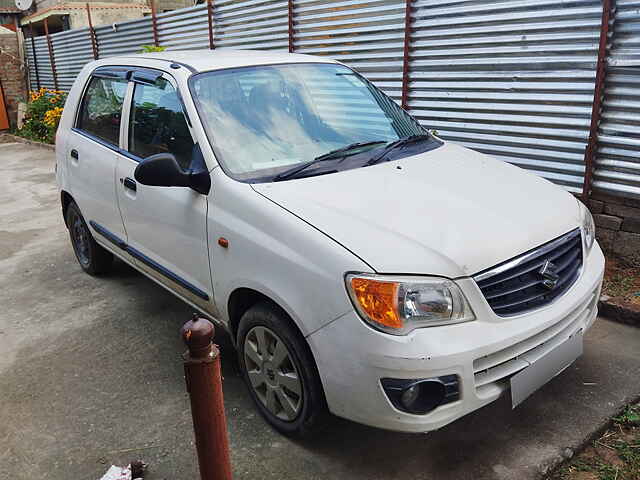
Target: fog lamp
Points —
{"points": [[420, 396]]}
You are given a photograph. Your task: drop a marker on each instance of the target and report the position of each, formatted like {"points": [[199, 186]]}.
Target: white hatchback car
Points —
{"points": [[361, 265]]}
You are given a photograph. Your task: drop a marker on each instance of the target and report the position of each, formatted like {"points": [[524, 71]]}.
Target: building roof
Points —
{"points": [[67, 8], [8, 6], [205, 60]]}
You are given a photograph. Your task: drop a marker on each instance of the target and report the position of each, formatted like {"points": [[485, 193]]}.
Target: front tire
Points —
{"points": [[279, 371], [92, 257]]}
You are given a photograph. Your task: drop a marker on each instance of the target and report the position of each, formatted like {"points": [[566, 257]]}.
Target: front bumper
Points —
{"points": [[352, 357]]}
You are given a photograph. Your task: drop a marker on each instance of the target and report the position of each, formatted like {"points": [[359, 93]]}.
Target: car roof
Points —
{"points": [[205, 60]]}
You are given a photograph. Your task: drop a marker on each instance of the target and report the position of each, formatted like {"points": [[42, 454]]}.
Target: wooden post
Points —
{"points": [[210, 23], [596, 109], [405, 57], [52, 58], [291, 31], [92, 33], [35, 57], [154, 24]]}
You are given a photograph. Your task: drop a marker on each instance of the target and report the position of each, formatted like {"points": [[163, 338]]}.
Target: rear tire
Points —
{"points": [[92, 257], [280, 372]]}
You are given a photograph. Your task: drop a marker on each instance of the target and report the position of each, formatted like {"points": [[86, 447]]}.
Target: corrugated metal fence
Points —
{"points": [[512, 78], [72, 52], [617, 168], [124, 38], [368, 36]]}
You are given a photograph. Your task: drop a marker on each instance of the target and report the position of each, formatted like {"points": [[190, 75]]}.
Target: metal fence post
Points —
{"points": [[154, 24], [290, 22], [204, 384], [405, 57], [52, 58], [598, 93], [210, 23], [92, 33], [35, 58]]}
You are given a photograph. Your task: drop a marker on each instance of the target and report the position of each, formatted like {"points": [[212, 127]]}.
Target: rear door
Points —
{"points": [[92, 147], [166, 226]]}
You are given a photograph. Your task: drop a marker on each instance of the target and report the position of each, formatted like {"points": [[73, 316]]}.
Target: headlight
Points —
{"points": [[588, 228], [399, 305]]}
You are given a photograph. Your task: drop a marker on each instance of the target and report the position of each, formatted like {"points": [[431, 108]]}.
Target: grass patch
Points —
{"points": [[622, 280], [613, 456]]}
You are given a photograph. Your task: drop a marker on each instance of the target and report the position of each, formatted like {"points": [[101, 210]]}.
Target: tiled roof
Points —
{"points": [[8, 6], [63, 8]]}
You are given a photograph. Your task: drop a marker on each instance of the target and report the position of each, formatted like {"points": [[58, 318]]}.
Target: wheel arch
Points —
{"points": [[65, 201], [242, 299]]}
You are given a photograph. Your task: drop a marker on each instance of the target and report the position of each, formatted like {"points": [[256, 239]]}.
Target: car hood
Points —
{"points": [[450, 212]]}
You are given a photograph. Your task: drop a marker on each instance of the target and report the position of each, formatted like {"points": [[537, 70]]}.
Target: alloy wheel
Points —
{"points": [[272, 374]]}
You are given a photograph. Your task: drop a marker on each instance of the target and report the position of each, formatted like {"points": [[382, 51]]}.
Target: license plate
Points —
{"points": [[527, 381]]}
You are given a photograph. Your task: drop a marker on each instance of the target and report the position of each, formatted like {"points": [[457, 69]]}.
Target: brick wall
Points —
{"points": [[11, 74], [617, 224]]}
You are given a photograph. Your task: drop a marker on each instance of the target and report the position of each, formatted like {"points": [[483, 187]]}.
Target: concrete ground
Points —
{"points": [[91, 374]]}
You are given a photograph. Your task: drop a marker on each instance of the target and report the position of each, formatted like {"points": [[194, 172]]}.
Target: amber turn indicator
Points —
{"points": [[379, 300]]}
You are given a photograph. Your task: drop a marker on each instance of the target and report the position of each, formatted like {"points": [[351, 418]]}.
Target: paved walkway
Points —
{"points": [[90, 374]]}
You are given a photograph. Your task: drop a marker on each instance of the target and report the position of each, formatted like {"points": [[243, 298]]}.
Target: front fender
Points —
{"points": [[277, 254]]}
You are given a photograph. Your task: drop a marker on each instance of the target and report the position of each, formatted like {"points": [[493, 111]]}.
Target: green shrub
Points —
{"points": [[43, 115], [151, 49]]}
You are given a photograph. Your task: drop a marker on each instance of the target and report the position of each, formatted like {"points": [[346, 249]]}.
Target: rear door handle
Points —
{"points": [[74, 154], [130, 183]]}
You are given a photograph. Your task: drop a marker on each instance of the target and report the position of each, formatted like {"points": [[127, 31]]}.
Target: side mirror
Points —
{"points": [[162, 170]]}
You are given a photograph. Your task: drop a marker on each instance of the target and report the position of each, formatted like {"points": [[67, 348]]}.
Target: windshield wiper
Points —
{"points": [[340, 152], [298, 168], [397, 144]]}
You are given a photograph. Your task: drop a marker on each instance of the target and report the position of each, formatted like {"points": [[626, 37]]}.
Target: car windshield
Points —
{"points": [[266, 120]]}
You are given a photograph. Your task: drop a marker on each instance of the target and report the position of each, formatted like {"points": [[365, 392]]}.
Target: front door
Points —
{"points": [[166, 226]]}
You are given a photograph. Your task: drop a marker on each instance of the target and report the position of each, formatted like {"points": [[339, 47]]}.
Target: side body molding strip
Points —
{"points": [[138, 255]]}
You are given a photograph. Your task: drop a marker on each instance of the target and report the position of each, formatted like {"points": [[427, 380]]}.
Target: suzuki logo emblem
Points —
{"points": [[549, 275]]}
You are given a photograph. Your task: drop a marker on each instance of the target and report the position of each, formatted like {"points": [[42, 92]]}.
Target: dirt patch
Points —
{"points": [[620, 299], [613, 456], [10, 138], [13, 242], [622, 283]]}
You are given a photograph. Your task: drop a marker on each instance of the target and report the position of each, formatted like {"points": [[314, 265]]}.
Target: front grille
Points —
{"points": [[535, 278], [501, 365]]}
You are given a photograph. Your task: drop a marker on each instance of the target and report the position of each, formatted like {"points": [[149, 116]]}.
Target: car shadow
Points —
{"points": [[493, 442]]}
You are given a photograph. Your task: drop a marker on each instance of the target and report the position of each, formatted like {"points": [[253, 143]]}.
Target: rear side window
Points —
{"points": [[157, 123], [102, 107]]}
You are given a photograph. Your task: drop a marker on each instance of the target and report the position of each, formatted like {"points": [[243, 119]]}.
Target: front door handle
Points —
{"points": [[74, 154], [130, 183]]}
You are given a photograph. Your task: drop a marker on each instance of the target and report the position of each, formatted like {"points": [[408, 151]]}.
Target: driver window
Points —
{"points": [[157, 123]]}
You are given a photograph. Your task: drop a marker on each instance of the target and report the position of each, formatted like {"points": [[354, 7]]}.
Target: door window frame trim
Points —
{"points": [[101, 73], [126, 72], [126, 107]]}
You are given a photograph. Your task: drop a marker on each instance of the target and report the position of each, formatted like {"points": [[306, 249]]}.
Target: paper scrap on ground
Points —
{"points": [[119, 473], [133, 471]]}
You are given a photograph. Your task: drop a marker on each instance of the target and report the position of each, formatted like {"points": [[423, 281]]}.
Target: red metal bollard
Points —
{"points": [[204, 384]]}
